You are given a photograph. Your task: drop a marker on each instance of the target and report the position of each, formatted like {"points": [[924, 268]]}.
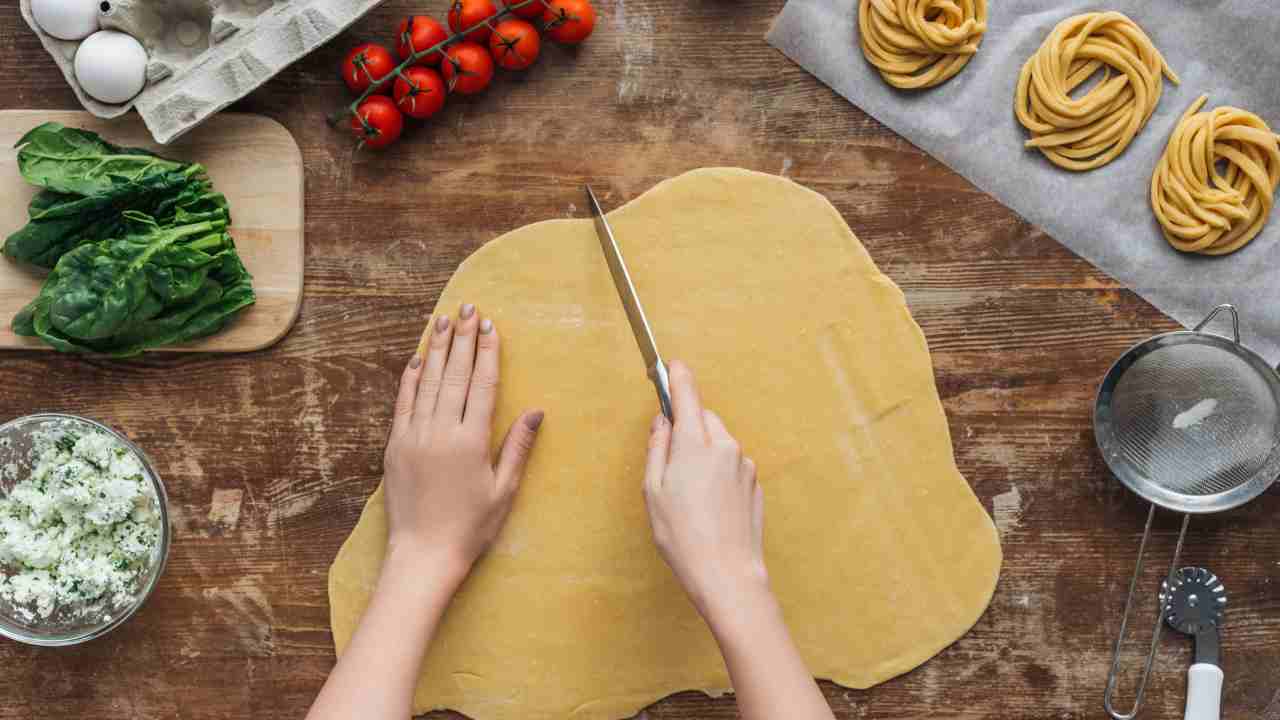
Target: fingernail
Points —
{"points": [[442, 323], [535, 420], [467, 311], [415, 362], [486, 326], [659, 421]]}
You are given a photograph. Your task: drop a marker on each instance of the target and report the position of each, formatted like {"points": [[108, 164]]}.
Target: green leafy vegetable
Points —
{"points": [[90, 184], [138, 247], [97, 290], [67, 442], [69, 160]]}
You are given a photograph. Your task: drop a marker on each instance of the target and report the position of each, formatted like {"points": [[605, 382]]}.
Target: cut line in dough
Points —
{"points": [[878, 551]]}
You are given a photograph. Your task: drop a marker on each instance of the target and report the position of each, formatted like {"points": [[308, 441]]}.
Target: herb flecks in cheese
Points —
{"points": [[78, 534]]}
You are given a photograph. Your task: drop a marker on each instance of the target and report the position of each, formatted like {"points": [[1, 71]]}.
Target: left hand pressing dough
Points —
{"points": [[808, 353]]}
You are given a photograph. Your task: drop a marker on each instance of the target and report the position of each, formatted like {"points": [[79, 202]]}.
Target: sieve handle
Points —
{"points": [[1235, 320], [1114, 676]]}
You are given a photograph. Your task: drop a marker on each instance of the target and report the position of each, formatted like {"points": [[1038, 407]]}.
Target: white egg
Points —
{"points": [[66, 19], [111, 66]]}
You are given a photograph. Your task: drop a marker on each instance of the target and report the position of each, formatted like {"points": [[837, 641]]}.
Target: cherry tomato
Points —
{"points": [[569, 21], [465, 14], [419, 92], [382, 122], [366, 64], [417, 33], [514, 44], [528, 12], [468, 68]]}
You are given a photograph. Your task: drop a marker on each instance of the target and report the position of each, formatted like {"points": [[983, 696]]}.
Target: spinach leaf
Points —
{"points": [[46, 199], [138, 247], [89, 183], [24, 323], [221, 298], [69, 160], [61, 222], [98, 287]]}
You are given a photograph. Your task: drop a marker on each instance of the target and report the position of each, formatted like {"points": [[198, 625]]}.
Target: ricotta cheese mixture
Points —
{"points": [[80, 531]]}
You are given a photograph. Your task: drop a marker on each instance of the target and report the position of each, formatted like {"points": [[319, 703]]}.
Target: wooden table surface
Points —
{"points": [[269, 456]]}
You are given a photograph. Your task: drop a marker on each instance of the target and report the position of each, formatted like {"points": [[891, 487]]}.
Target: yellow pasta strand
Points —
{"points": [[920, 43], [1205, 210], [1092, 130]]}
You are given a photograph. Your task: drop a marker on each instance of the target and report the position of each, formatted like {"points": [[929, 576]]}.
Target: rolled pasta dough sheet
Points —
{"points": [[877, 548]]}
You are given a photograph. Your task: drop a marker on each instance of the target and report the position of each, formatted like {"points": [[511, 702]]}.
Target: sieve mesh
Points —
{"points": [[1195, 419]]}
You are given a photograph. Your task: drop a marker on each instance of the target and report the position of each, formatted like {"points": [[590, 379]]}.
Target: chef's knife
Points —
{"points": [[631, 303]]}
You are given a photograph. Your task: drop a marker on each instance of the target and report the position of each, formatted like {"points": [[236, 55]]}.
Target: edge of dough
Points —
{"points": [[852, 678]]}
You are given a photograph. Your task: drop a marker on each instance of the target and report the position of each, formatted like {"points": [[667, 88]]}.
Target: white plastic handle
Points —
{"points": [[1204, 692]]}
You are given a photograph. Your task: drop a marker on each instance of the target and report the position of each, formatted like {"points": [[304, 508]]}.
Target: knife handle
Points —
{"points": [[658, 374]]}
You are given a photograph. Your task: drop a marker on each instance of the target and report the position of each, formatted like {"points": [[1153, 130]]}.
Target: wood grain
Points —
{"points": [[1021, 331], [251, 159]]}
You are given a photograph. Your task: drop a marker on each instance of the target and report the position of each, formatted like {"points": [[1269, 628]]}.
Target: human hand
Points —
{"points": [[705, 506], [447, 499], [707, 513]]}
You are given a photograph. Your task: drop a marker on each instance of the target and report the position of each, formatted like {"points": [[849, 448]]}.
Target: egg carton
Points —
{"points": [[205, 54]]}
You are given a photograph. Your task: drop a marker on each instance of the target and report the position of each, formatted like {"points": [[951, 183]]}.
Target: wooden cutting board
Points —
{"points": [[252, 159]]}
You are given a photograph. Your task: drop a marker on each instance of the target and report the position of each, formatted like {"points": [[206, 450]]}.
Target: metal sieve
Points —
{"points": [[1190, 422]]}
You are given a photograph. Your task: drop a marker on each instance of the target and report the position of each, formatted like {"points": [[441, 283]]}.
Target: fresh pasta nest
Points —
{"points": [[1213, 188], [1092, 130], [920, 43]]}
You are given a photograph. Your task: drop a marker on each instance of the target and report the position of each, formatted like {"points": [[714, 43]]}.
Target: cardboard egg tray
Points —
{"points": [[205, 54]]}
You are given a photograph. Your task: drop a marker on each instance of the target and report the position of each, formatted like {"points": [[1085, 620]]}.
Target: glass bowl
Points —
{"points": [[16, 439]]}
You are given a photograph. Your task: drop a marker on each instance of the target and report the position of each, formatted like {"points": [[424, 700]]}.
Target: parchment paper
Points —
{"points": [[1227, 49]]}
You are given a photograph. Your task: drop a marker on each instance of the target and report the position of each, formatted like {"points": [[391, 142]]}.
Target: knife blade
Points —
{"points": [[656, 369]]}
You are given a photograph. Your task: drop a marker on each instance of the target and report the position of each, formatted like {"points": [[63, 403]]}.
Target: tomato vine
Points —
{"points": [[377, 86]]}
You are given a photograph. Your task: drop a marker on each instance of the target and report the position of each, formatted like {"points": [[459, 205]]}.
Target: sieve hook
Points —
{"points": [[1114, 676], [1235, 320]]}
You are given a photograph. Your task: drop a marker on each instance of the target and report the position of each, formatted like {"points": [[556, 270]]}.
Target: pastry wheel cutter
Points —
{"points": [[1194, 600]]}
